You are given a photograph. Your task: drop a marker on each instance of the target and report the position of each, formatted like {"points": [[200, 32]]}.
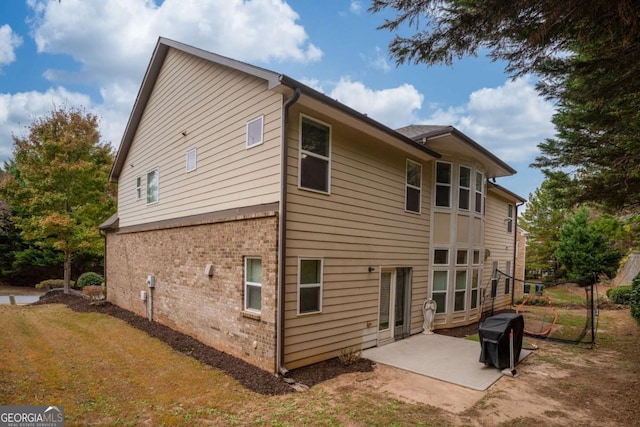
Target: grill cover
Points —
{"points": [[494, 339]]}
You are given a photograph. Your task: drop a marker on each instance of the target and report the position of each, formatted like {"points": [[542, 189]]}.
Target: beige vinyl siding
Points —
{"points": [[212, 104], [500, 245], [361, 224]]}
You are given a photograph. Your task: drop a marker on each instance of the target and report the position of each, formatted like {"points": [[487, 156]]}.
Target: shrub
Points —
{"points": [[52, 284], [634, 300], [90, 279], [94, 293], [620, 294], [349, 356]]}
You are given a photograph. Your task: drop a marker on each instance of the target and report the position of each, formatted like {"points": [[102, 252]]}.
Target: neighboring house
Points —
{"points": [[282, 226]]}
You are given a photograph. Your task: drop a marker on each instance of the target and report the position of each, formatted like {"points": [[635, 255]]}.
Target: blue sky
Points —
{"points": [[93, 54]]}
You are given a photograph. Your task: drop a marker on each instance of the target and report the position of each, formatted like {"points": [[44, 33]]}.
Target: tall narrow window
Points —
{"points": [[413, 186], [139, 188], [509, 218], [461, 290], [475, 286], [439, 290], [464, 188], [479, 192], [443, 184], [309, 285], [253, 284], [255, 132], [153, 184], [191, 160], [315, 155], [507, 279]]}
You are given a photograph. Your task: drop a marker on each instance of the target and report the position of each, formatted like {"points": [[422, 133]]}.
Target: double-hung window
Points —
{"points": [[153, 184], [509, 218], [309, 285], [413, 186], [315, 155], [443, 184], [253, 284], [464, 188]]}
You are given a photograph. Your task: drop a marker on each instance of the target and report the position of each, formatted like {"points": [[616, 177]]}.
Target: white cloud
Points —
{"points": [[355, 7], [113, 39], [9, 42], [378, 61], [509, 120], [394, 107], [19, 110]]}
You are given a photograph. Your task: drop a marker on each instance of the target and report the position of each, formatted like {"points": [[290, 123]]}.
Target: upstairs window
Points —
{"points": [[443, 184], [509, 218], [255, 132], [464, 188], [190, 160], [413, 186], [153, 184], [315, 153], [479, 192], [253, 284]]}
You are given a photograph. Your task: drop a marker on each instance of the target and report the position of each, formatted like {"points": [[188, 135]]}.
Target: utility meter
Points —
{"points": [[151, 281]]}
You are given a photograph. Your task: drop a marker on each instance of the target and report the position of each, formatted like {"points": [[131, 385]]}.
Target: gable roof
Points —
{"points": [[272, 78], [435, 138], [505, 193]]}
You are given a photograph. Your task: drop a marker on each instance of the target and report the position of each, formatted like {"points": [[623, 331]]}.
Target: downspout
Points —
{"points": [[282, 238], [104, 275], [515, 252]]}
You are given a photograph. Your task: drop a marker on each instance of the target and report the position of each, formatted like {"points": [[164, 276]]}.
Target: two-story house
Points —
{"points": [[282, 226]]}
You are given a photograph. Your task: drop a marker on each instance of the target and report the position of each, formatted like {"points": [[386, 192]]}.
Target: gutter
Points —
{"points": [[515, 252], [282, 237]]}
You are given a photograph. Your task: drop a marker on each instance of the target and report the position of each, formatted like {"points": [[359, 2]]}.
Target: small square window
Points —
{"points": [[462, 257], [255, 132], [191, 160], [441, 256]]}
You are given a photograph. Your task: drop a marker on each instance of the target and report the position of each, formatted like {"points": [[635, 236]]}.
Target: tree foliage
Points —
{"points": [[545, 214], [587, 55], [583, 250], [57, 184]]}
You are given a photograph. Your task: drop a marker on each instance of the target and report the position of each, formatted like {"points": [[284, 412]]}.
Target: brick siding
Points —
{"points": [[185, 298]]}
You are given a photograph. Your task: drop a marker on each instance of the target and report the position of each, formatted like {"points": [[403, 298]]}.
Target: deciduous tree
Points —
{"points": [[60, 180]]}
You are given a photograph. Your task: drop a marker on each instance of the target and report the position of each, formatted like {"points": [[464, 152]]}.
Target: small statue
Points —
{"points": [[429, 312]]}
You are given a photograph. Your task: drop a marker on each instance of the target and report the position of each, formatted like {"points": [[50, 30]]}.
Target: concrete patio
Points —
{"points": [[454, 360]]}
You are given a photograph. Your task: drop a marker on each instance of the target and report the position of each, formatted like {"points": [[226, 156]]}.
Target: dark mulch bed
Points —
{"points": [[249, 376]]}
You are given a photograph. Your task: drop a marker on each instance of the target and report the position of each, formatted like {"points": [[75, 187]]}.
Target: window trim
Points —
{"points": [[318, 156], [195, 159], [247, 283], [407, 186], [155, 170], [310, 285], [449, 185], [434, 256], [249, 123]]}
